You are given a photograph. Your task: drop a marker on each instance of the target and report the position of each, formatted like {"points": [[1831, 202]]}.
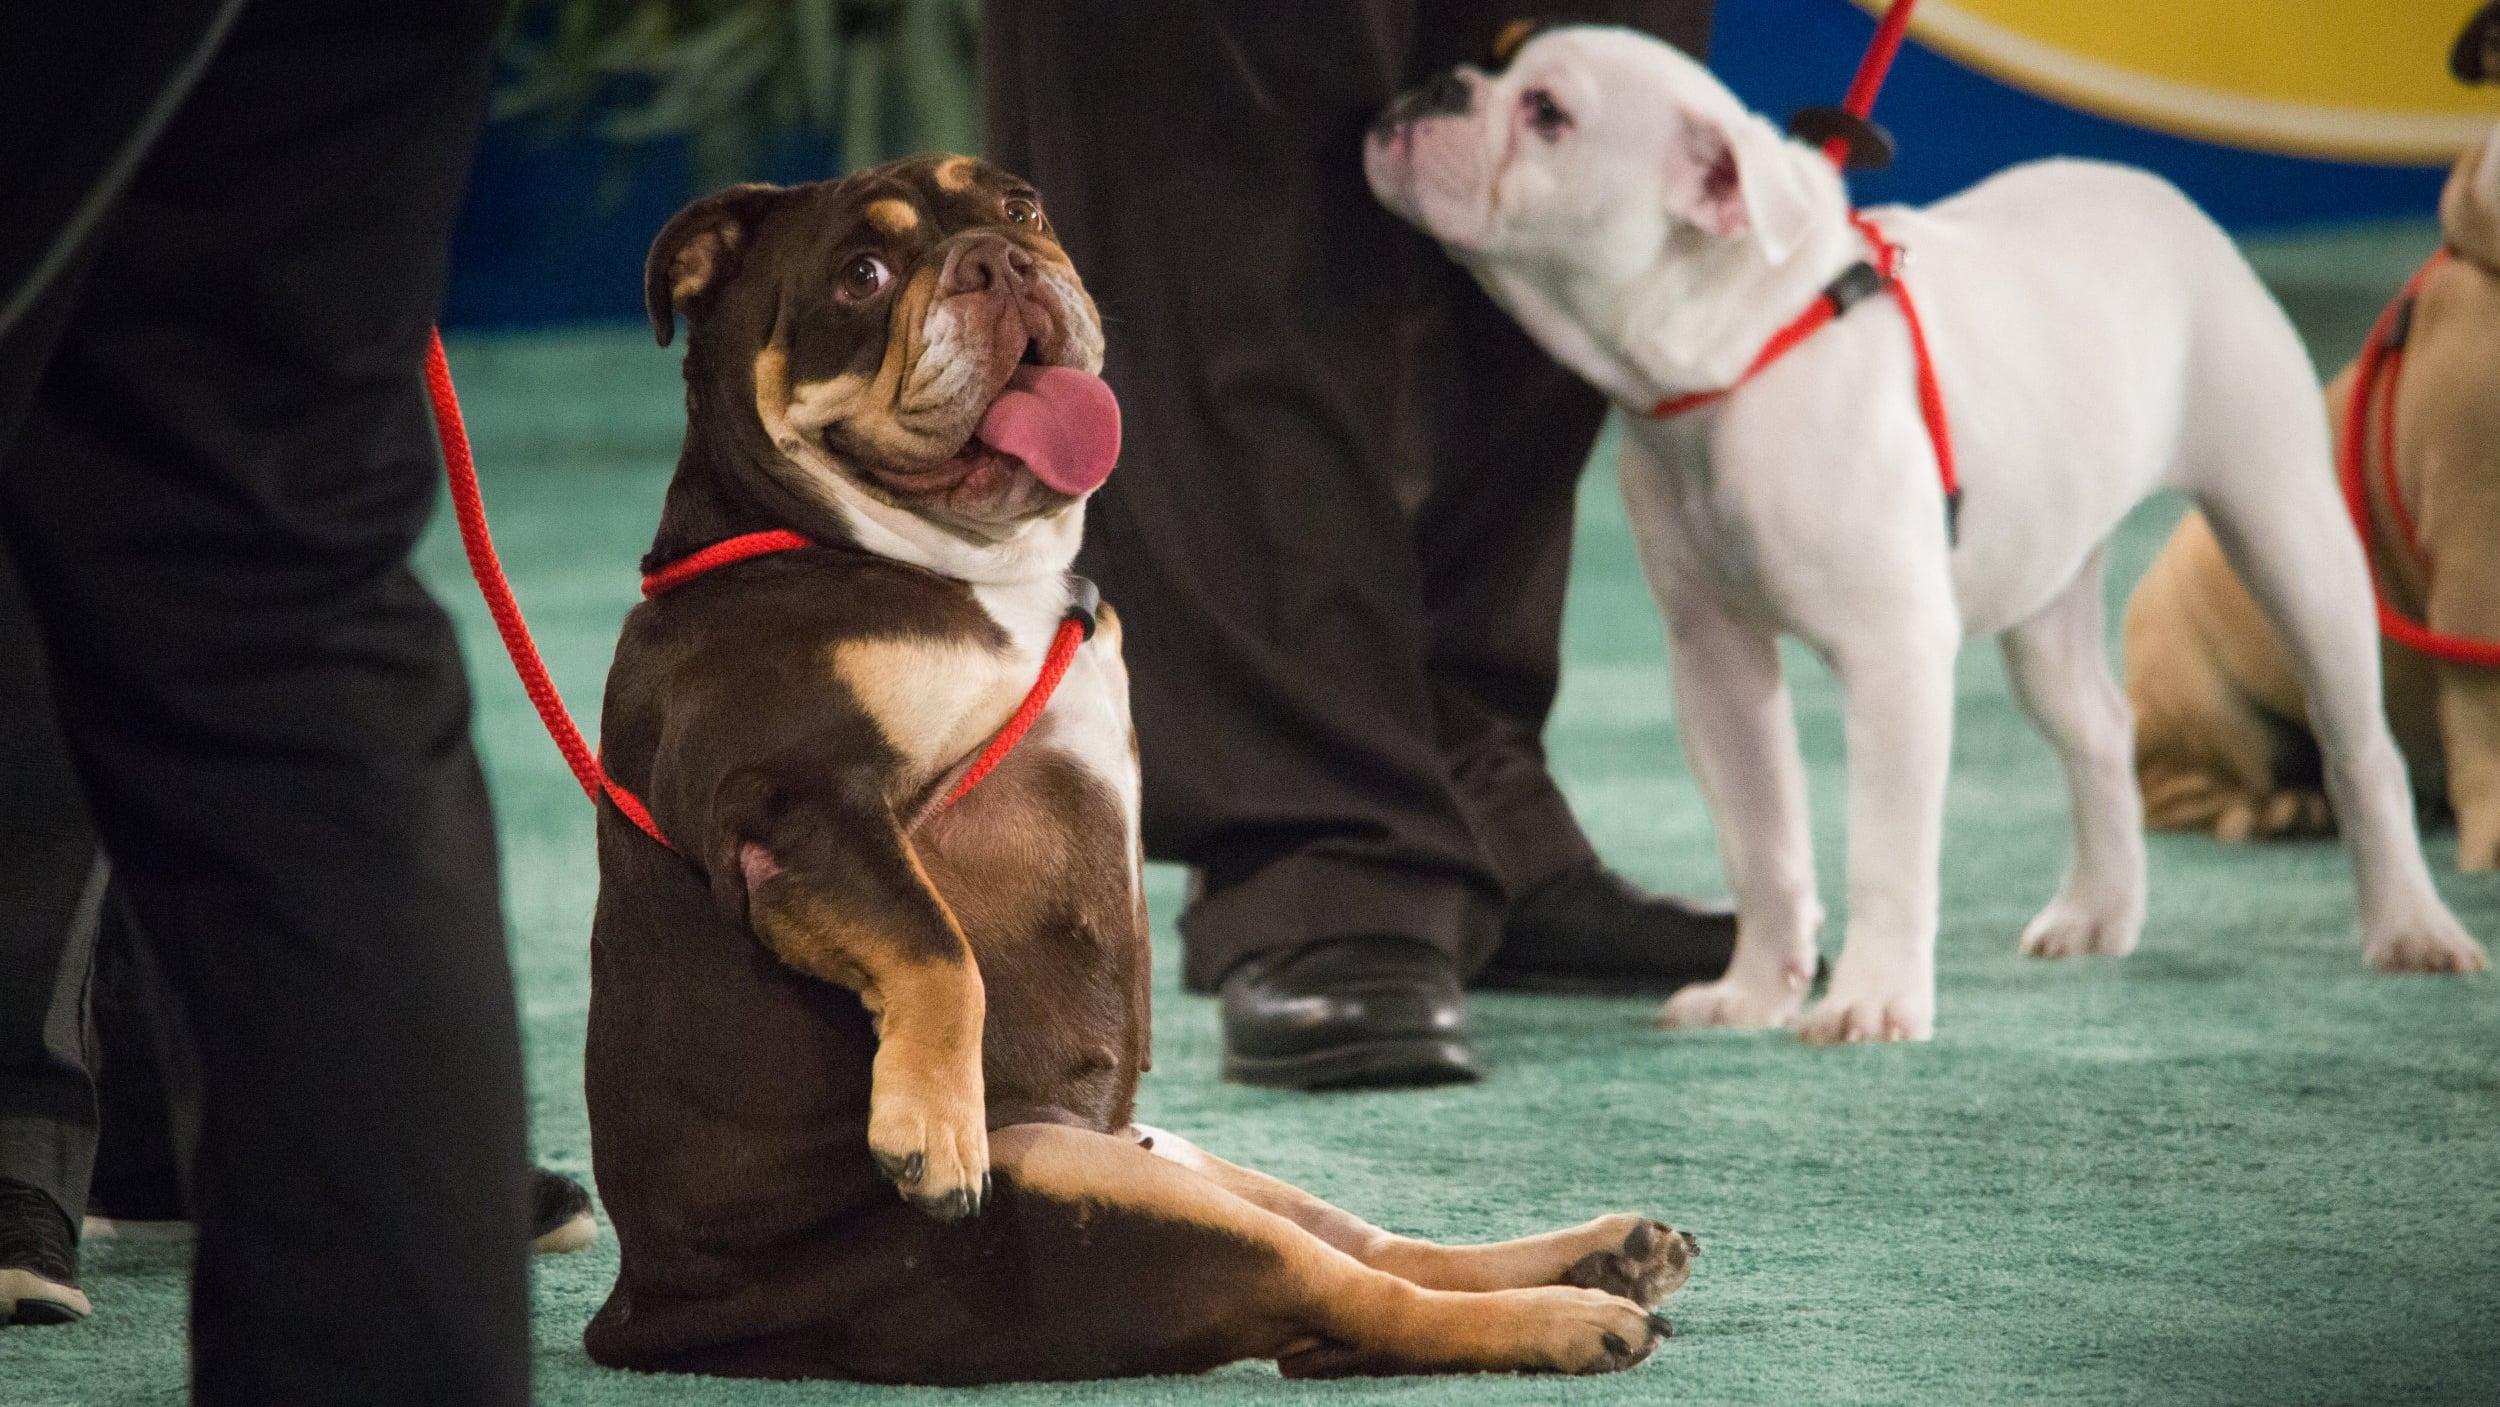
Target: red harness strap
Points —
{"points": [[1859, 282], [469, 509], [2373, 405]]}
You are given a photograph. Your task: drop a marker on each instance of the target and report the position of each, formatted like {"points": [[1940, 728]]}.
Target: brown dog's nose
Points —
{"points": [[980, 263]]}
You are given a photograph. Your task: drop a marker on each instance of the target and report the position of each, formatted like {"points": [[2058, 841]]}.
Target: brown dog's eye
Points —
{"points": [[1544, 114], [1023, 211], [863, 277]]}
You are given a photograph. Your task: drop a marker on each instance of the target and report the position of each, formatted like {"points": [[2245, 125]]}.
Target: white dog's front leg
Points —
{"points": [[1740, 735], [1898, 686]]}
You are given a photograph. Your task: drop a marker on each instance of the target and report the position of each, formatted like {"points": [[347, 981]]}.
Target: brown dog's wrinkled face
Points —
{"points": [[912, 333]]}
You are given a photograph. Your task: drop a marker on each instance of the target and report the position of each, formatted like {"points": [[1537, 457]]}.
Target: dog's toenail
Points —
{"points": [[1692, 1243], [1615, 1345], [1659, 1323]]}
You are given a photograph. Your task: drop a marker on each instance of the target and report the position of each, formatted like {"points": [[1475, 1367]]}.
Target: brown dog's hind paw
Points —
{"points": [[1550, 1329], [1652, 1262], [1605, 1334], [2291, 814]]}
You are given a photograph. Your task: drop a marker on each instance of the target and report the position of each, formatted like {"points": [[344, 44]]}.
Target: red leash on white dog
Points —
{"points": [[1848, 127], [469, 510], [2381, 364]]}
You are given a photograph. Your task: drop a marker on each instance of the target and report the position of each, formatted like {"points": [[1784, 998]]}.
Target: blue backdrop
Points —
{"points": [[555, 231]]}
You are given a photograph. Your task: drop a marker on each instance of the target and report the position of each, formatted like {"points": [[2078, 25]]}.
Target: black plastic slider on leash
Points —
{"points": [[1084, 604]]}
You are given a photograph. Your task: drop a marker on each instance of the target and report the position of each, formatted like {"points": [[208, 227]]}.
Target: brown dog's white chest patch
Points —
{"points": [[935, 700]]}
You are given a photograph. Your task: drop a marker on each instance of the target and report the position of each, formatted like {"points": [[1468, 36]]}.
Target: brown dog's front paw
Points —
{"points": [[1652, 1261], [936, 1155]]}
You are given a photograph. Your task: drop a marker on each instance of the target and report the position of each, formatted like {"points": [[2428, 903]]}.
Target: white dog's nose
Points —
{"points": [[1448, 93]]}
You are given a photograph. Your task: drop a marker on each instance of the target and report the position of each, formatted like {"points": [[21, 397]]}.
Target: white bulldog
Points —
{"points": [[2097, 338]]}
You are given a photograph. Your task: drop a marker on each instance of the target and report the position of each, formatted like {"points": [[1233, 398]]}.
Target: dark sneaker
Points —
{"points": [[1344, 1014], [560, 1217], [38, 1260]]}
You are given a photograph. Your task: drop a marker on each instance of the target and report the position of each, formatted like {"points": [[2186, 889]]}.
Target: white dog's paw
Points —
{"points": [[1884, 1008], [1734, 1003], [2434, 942], [2075, 928]]}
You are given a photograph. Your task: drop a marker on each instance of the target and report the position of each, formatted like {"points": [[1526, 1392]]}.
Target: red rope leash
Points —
{"points": [[1873, 68], [2374, 386], [1853, 285], [468, 505]]}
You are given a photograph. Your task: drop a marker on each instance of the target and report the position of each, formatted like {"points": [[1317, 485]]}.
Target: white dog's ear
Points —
{"points": [[1737, 175]]}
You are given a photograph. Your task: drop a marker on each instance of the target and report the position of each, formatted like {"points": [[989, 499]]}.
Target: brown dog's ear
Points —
{"points": [[696, 249]]}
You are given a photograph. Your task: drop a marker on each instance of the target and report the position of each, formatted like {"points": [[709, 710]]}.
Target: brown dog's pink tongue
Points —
{"points": [[1063, 423]]}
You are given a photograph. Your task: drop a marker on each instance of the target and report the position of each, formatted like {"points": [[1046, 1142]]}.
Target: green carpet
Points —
{"points": [[2234, 1167]]}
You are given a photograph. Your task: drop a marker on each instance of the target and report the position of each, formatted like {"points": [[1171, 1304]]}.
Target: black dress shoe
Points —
{"points": [[1347, 1013], [1595, 931], [38, 1260]]}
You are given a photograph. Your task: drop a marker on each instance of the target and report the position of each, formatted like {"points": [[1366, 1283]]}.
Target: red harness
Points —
{"points": [[469, 508], [2382, 362], [1857, 283], [1861, 280]]}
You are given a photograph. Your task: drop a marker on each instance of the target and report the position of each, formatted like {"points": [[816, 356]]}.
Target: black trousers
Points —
{"points": [[220, 461], [1342, 523], [52, 880], [99, 1085]]}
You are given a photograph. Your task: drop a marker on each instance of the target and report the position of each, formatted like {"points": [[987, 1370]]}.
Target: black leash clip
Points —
{"points": [[1084, 603], [1868, 146]]}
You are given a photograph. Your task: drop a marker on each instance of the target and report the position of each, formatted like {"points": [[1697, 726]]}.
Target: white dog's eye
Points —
{"points": [[862, 278], [1544, 114]]}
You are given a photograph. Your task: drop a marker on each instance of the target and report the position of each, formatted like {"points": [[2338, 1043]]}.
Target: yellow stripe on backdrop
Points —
{"points": [[2350, 80]]}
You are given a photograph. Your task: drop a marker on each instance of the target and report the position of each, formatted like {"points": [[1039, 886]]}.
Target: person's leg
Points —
{"points": [[1507, 432], [51, 886], [147, 1086], [1200, 164], [213, 505]]}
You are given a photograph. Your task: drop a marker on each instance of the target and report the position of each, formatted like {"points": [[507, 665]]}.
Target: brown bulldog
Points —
{"points": [[861, 1066], [2222, 738]]}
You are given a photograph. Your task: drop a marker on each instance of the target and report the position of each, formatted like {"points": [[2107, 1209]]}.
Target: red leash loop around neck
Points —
{"points": [[469, 510], [2373, 402], [1072, 633], [1836, 301], [1886, 263], [720, 554]]}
